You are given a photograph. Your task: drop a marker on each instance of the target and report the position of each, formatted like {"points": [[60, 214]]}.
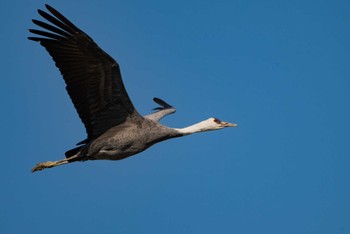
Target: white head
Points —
{"points": [[206, 125], [215, 124]]}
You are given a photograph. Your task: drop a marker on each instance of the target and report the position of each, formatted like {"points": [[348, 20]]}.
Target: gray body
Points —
{"points": [[127, 139]]}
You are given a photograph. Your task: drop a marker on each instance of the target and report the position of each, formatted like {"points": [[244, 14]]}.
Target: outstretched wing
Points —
{"points": [[162, 111], [92, 77]]}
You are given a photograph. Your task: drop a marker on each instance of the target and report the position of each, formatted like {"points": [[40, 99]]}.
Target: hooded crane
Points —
{"points": [[115, 130]]}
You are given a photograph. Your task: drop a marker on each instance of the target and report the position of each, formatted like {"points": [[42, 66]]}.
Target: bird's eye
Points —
{"points": [[217, 120]]}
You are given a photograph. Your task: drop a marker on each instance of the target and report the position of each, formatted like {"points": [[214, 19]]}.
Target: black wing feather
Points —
{"points": [[161, 103], [92, 77]]}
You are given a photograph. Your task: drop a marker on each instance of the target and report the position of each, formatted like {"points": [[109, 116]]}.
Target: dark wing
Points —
{"points": [[162, 103], [162, 111], [92, 77]]}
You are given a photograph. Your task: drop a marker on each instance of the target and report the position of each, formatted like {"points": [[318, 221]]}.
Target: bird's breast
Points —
{"points": [[121, 144]]}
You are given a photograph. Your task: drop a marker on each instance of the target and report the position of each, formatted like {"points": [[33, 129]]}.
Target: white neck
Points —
{"points": [[198, 127]]}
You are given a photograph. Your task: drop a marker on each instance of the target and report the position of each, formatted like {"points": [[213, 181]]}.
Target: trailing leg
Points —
{"points": [[49, 164]]}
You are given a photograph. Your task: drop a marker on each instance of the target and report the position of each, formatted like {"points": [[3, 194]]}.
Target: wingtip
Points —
{"points": [[162, 103], [51, 9], [33, 38], [41, 12], [48, 6]]}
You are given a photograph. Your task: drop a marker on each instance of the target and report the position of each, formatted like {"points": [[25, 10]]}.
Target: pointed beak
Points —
{"points": [[226, 124]]}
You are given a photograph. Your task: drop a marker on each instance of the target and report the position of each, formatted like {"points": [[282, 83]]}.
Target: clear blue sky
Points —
{"points": [[280, 69]]}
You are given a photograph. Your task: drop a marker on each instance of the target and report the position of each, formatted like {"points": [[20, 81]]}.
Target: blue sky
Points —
{"points": [[280, 69]]}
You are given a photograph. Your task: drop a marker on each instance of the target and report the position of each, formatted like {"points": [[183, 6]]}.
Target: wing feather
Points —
{"points": [[164, 110], [93, 79]]}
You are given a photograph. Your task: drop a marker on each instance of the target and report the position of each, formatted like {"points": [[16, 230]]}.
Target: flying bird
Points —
{"points": [[115, 130]]}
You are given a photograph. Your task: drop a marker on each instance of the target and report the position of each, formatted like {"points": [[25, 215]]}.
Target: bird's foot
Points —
{"points": [[49, 164], [42, 166]]}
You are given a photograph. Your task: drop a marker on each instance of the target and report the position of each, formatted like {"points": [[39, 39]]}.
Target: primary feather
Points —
{"points": [[92, 77]]}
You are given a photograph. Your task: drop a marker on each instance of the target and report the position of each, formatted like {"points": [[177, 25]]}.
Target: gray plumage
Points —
{"points": [[163, 111], [115, 130], [128, 139]]}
